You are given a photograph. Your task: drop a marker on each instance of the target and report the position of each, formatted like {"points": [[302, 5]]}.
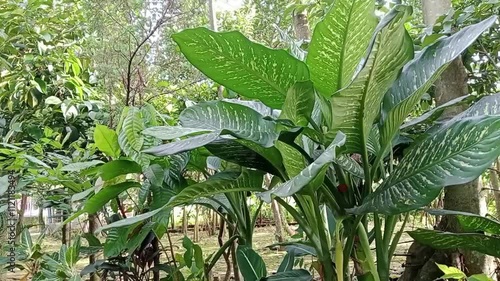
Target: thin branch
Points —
{"points": [[173, 91]]}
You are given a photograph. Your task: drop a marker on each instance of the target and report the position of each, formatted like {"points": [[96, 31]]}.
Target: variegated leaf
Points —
{"points": [[419, 74], [299, 103], [456, 155], [339, 43], [447, 240], [307, 175], [248, 68], [433, 114], [239, 120], [355, 108], [218, 118], [227, 181], [248, 154], [471, 222], [172, 132]]}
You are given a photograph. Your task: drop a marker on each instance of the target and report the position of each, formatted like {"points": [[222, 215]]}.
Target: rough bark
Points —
{"points": [[495, 185], [420, 264], [196, 235], [184, 221], [277, 221], [92, 257]]}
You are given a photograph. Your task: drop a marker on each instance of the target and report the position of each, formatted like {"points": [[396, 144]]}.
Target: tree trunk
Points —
{"points": [[495, 185], [184, 221], [20, 218], [196, 234], [41, 221], [277, 221], [420, 264], [92, 257], [301, 26]]}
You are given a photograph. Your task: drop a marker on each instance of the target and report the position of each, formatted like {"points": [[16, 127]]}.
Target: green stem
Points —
{"points": [[382, 264], [390, 224], [396, 238], [365, 246], [339, 253], [349, 245]]}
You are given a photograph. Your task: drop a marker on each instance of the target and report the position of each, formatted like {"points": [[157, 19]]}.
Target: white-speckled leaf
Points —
{"points": [[339, 42], [172, 132], [447, 240], [217, 118], [299, 103], [419, 74], [455, 155], [471, 222], [248, 68], [307, 175], [355, 108], [223, 182]]}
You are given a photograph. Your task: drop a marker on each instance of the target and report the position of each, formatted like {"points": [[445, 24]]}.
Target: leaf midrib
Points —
{"points": [[434, 164]]}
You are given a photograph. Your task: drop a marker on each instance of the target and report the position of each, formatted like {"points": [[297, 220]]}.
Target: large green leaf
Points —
{"points": [[107, 141], [471, 222], [419, 74], [184, 145], [307, 175], [241, 121], [446, 240], [129, 221], [455, 155], [79, 166], [295, 275], [489, 105], [248, 154], [245, 67], [227, 181], [96, 202], [219, 118], [299, 103], [251, 265], [339, 42], [172, 132], [355, 108], [116, 168], [434, 114]]}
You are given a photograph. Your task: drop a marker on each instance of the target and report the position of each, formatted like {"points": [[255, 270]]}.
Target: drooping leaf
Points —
{"points": [[35, 160], [227, 181], [107, 141], [172, 132], [79, 166], [244, 67], [301, 249], [116, 168], [258, 106], [338, 44], [184, 145], [129, 221], [221, 118], [451, 272], [455, 155], [239, 120], [155, 174], [350, 165], [471, 222], [251, 265], [296, 275], [299, 103], [130, 137], [287, 262], [96, 202], [434, 114], [479, 277], [355, 108], [307, 175], [419, 74], [447, 240], [489, 105]]}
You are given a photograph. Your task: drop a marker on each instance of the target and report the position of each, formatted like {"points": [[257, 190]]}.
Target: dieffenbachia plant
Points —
{"points": [[341, 111]]}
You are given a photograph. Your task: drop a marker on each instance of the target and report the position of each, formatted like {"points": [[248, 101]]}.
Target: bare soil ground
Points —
{"points": [[263, 237]]}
